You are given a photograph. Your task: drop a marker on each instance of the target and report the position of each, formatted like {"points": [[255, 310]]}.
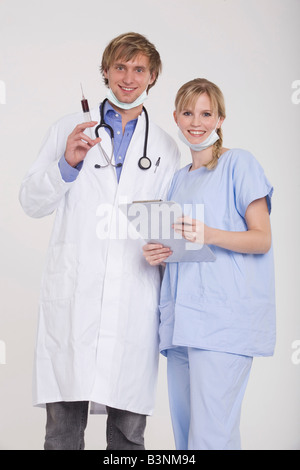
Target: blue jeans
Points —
{"points": [[66, 423]]}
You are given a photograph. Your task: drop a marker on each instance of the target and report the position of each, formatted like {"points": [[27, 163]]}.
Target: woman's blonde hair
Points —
{"points": [[126, 47], [187, 96]]}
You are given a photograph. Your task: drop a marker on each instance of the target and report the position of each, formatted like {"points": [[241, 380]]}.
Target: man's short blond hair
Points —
{"points": [[126, 47]]}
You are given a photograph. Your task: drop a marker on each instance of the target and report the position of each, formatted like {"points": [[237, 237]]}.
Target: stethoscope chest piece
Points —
{"points": [[144, 163]]}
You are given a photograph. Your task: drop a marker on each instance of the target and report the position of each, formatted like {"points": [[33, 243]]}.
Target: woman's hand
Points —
{"points": [[255, 240], [155, 254], [191, 229]]}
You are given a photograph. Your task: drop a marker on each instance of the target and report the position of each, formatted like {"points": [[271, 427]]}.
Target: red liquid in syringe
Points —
{"points": [[85, 107]]}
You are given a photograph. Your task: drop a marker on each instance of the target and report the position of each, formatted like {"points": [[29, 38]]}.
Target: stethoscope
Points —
{"points": [[144, 162]]}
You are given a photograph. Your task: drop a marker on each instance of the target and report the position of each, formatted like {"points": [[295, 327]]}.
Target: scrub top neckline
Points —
{"points": [[197, 170]]}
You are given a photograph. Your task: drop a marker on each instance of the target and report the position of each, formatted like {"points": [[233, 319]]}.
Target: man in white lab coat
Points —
{"points": [[97, 342]]}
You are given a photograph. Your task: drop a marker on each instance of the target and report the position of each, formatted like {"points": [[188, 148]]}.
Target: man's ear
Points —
{"points": [[105, 73], [175, 116], [152, 78]]}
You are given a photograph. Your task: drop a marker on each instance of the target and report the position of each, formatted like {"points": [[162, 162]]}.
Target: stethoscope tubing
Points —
{"points": [[143, 166]]}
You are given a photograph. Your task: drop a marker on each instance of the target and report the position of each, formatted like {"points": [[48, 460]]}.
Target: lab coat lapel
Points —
{"points": [[107, 175]]}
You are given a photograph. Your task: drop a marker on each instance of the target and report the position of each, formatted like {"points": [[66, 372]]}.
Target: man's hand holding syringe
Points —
{"points": [[78, 143]]}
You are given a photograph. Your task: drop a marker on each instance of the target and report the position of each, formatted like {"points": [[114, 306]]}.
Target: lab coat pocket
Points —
{"points": [[60, 273]]}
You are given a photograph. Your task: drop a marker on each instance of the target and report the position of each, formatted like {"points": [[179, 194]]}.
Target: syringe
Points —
{"points": [[85, 107]]}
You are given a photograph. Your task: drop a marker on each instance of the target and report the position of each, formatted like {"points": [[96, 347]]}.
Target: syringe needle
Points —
{"points": [[82, 91]]}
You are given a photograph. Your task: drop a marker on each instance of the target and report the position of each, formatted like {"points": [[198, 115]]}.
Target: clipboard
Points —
{"points": [[153, 220]]}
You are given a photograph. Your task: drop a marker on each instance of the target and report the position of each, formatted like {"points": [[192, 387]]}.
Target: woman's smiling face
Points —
{"points": [[197, 122]]}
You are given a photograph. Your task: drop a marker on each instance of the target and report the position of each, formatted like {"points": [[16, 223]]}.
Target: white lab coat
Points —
{"points": [[98, 318]]}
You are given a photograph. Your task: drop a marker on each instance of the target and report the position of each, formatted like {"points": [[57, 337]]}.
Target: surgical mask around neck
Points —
{"points": [[208, 142], [114, 100]]}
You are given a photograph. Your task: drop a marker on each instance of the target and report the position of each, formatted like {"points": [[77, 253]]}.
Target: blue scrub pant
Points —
{"points": [[206, 389]]}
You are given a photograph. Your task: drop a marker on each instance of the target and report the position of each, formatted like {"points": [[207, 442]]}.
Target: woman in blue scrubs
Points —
{"points": [[215, 316]]}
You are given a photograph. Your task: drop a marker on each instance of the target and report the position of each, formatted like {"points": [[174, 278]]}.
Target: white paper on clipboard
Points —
{"points": [[153, 221]]}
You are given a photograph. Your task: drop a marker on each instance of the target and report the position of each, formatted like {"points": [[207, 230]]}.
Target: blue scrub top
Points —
{"points": [[227, 305]]}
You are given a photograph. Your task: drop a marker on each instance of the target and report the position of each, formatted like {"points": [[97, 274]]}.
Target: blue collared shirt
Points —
{"points": [[121, 143]]}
